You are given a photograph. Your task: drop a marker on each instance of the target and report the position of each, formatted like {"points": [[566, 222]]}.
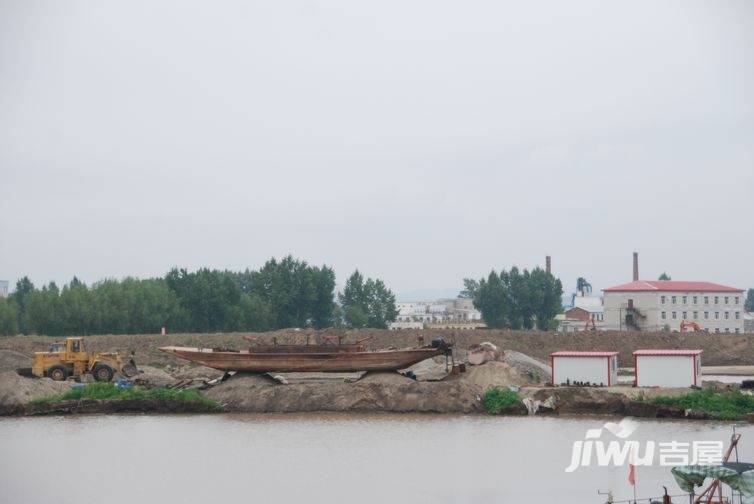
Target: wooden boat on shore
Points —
{"points": [[309, 358]]}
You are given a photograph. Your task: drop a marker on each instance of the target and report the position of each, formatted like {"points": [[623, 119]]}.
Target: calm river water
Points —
{"points": [[321, 458]]}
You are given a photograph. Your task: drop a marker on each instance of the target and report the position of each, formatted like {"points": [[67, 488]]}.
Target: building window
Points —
{"points": [[717, 329], [696, 315], [685, 315], [662, 299], [685, 298], [727, 329], [737, 330], [696, 300], [673, 299], [664, 315], [674, 317], [706, 315], [706, 299], [717, 299], [726, 299], [727, 315], [717, 314], [738, 315], [735, 300]]}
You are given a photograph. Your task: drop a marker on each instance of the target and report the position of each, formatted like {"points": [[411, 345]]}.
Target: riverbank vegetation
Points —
{"points": [[282, 293], [496, 400], [109, 392], [728, 405]]}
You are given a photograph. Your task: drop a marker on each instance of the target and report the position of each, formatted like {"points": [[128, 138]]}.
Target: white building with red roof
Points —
{"points": [[667, 368], [653, 305], [594, 368]]}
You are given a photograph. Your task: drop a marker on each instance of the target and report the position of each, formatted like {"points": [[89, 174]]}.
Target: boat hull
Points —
{"points": [[331, 362]]}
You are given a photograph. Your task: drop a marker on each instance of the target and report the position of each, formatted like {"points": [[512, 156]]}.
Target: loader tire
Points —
{"points": [[103, 373], [58, 373]]}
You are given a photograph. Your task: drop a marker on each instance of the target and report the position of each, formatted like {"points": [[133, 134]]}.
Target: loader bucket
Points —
{"points": [[130, 369]]}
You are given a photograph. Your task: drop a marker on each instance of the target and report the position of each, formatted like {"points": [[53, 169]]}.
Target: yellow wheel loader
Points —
{"points": [[71, 359]]}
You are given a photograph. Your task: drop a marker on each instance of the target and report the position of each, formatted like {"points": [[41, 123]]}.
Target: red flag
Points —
{"points": [[632, 474], [631, 468]]}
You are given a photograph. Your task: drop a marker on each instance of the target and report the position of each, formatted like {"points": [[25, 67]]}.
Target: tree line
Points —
{"points": [[516, 299], [282, 293]]}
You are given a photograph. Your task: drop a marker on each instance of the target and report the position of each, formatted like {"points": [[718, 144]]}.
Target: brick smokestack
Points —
{"points": [[548, 265], [636, 266]]}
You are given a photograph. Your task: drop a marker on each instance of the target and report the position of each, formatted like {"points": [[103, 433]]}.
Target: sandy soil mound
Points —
{"points": [[10, 360], [536, 371], [429, 369], [236, 389], [442, 397], [153, 377], [16, 390], [385, 378], [493, 374], [195, 373], [581, 399]]}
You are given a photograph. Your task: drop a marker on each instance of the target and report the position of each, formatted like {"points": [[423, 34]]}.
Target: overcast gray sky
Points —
{"points": [[421, 141]]}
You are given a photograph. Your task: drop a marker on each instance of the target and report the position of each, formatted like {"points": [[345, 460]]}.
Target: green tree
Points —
{"points": [[367, 303], [519, 299], [749, 304], [664, 276], [549, 295], [45, 314], [8, 317], [324, 297], [583, 286], [285, 293], [470, 288], [77, 308], [356, 317], [492, 299], [20, 297]]}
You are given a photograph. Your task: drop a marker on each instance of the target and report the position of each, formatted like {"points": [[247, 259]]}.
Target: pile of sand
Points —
{"points": [[536, 371], [238, 387], [153, 377], [429, 369], [195, 373], [15, 390], [256, 394], [493, 374], [385, 378], [10, 360]]}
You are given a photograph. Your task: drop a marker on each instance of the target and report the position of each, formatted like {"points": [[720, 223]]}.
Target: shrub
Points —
{"points": [[496, 400], [109, 392], [731, 405]]}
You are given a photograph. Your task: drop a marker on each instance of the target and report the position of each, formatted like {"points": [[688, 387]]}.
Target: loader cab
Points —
{"points": [[74, 346], [57, 348]]}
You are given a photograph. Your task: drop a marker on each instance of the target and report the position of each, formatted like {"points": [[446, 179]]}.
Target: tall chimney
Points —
{"points": [[636, 266], [548, 267]]}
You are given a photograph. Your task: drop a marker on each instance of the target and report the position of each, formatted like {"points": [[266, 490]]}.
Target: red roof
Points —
{"points": [[582, 354], [671, 286], [667, 352]]}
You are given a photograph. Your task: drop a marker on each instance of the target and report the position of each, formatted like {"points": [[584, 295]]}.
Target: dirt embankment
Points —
{"points": [[373, 392], [719, 349]]}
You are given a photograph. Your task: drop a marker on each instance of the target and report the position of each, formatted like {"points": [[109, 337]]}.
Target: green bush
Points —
{"points": [[497, 400], [731, 405], [109, 392]]}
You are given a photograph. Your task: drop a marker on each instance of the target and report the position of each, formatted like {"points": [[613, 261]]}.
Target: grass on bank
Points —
{"points": [[496, 400], [729, 405], [109, 392]]}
